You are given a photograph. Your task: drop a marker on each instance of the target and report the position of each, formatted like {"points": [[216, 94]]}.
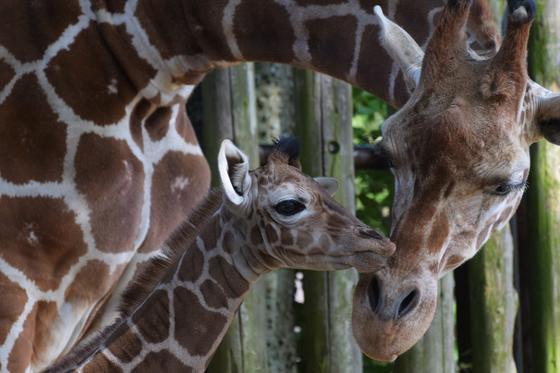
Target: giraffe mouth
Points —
{"points": [[362, 261]]}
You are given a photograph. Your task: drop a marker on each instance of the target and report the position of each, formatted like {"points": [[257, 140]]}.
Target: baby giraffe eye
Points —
{"points": [[289, 207], [507, 188]]}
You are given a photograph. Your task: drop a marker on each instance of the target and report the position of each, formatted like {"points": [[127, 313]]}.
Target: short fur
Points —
{"points": [[137, 292]]}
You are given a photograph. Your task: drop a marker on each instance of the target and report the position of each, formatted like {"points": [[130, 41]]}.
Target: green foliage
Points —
{"points": [[374, 189]]}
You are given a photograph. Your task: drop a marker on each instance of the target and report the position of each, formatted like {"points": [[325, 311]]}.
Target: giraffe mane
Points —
{"points": [[146, 281]]}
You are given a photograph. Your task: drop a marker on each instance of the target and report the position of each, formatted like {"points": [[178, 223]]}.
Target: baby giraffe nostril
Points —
{"points": [[374, 291], [408, 303], [370, 233]]}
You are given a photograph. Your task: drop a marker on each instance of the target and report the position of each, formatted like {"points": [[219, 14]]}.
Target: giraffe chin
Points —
{"points": [[383, 328]]}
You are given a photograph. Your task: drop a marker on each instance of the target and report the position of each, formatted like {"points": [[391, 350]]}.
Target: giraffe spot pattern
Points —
{"points": [[157, 124], [167, 19], [208, 30], [102, 364], [139, 113], [227, 277], [30, 133], [268, 20], [35, 35], [47, 257], [161, 361], [82, 74], [171, 205], [111, 179], [13, 298], [6, 74], [191, 266], [83, 290], [157, 329], [213, 294], [332, 50], [199, 323], [35, 336], [126, 347], [113, 6]]}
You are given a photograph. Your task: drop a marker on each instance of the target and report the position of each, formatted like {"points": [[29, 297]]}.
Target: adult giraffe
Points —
{"points": [[98, 161], [459, 150]]}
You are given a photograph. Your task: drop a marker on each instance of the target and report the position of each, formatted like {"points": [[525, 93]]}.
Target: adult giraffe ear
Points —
{"points": [[548, 117], [233, 166], [330, 184], [401, 47]]}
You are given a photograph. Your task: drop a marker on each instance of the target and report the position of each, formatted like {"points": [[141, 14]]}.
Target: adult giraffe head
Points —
{"points": [[459, 151]]}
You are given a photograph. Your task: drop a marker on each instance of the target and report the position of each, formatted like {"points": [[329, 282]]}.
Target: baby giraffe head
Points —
{"points": [[289, 219], [459, 151]]}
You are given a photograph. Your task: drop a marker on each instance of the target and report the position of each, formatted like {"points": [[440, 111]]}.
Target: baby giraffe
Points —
{"points": [[261, 220]]}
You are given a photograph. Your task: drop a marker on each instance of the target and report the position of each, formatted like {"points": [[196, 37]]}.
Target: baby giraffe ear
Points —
{"points": [[233, 166], [328, 183], [548, 118]]}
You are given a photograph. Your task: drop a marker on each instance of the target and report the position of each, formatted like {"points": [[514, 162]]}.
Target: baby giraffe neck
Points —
{"points": [[180, 323]]}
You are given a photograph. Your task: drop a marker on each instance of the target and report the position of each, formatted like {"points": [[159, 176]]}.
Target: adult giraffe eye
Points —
{"points": [[507, 188], [289, 207]]}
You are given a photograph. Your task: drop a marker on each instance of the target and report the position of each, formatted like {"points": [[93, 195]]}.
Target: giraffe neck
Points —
{"points": [[339, 39], [185, 315]]}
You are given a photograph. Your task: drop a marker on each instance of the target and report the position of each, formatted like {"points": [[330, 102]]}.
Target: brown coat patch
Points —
{"points": [[331, 50], [90, 79], [13, 302], [127, 347], [191, 267], [27, 30], [101, 364], [200, 325], [213, 294], [167, 28], [6, 74], [155, 328], [162, 361], [173, 198], [227, 277], [111, 178], [256, 24], [31, 134], [43, 251], [157, 124], [84, 289]]}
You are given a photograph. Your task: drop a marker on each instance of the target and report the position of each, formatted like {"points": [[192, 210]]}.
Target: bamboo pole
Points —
{"points": [[323, 112], [229, 112]]}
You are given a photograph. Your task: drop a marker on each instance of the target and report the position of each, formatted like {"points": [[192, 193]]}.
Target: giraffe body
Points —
{"points": [[269, 218]]}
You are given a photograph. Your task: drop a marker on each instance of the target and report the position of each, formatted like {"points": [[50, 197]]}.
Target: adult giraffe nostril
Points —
{"points": [[374, 294], [409, 302]]}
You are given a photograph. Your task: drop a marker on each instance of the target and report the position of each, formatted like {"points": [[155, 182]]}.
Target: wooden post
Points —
{"points": [[275, 113], [543, 207], [493, 305], [435, 353], [229, 111], [323, 111]]}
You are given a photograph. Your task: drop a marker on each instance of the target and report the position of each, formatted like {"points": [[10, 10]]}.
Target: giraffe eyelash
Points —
{"points": [[506, 188]]}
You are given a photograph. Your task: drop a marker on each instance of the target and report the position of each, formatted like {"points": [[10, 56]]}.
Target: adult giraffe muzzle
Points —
{"points": [[459, 151]]}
